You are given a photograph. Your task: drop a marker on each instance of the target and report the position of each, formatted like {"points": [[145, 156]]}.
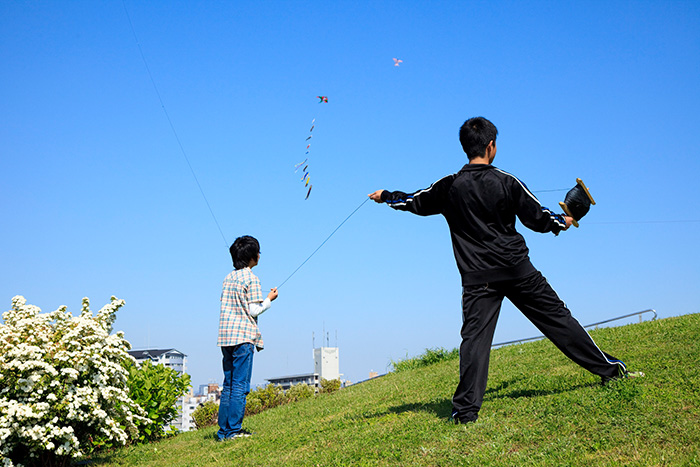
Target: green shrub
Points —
{"points": [[329, 385], [206, 414], [272, 395], [264, 398], [156, 388], [299, 391], [430, 357], [253, 405]]}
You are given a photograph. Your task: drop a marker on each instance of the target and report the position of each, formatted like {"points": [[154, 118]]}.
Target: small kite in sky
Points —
{"points": [[323, 99], [397, 62]]}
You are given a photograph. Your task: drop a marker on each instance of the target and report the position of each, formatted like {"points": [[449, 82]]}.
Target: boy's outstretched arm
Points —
{"points": [[425, 202]]}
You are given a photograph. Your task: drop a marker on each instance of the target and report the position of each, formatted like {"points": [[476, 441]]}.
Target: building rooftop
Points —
{"points": [[303, 375], [153, 353]]}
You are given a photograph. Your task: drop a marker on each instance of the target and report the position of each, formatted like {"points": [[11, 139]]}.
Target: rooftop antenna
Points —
{"points": [[313, 340]]}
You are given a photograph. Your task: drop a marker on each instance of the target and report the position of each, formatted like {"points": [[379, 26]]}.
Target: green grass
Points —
{"points": [[540, 409]]}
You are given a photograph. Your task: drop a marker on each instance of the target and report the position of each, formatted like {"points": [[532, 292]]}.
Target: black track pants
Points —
{"points": [[536, 299]]}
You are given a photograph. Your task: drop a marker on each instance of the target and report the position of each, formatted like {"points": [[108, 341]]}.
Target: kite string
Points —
{"points": [[324, 242], [688, 221], [550, 191], [172, 127], [339, 226], [363, 203]]}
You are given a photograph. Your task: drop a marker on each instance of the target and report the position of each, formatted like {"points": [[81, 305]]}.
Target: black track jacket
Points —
{"points": [[480, 203]]}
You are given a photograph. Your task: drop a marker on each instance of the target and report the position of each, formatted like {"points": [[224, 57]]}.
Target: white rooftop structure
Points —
{"points": [[326, 366], [326, 362]]}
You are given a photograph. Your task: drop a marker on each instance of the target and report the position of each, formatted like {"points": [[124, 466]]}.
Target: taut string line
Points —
{"points": [[324, 242], [172, 127]]}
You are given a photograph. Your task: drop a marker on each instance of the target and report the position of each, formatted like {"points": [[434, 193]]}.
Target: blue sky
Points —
{"points": [[98, 199]]}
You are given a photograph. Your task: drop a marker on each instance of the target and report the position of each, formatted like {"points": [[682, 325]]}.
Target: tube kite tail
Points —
{"points": [[306, 179], [296, 167]]}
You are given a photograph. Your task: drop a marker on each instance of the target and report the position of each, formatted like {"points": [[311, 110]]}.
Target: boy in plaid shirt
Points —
{"points": [[241, 304]]}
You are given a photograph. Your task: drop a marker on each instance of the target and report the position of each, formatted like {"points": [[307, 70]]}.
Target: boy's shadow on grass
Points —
{"points": [[442, 408], [501, 390]]}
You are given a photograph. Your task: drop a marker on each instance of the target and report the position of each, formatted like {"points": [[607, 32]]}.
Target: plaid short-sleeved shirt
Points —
{"points": [[236, 326]]}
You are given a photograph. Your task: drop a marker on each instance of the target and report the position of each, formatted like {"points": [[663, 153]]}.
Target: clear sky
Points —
{"points": [[98, 199]]}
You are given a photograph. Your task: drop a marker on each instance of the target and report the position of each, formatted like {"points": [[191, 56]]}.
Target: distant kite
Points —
{"points": [[323, 99], [397, 62]]}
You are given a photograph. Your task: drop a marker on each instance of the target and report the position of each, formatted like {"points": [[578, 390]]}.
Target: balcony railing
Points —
{"points": [[640, 313]]}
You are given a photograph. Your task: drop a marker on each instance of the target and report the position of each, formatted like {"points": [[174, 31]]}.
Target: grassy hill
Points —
{"points": [[540, 409]]}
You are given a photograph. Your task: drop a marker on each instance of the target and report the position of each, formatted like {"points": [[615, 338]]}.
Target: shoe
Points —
{"points": [[625, 375], [239, 434], [461, 420], [242, 434]]}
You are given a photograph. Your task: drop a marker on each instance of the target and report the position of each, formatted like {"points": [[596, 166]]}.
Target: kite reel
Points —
{"points": [[577, 202]]}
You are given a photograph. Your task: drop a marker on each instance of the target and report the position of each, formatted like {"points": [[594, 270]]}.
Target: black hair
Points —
{"points": [[243, 250], [475, 135]]}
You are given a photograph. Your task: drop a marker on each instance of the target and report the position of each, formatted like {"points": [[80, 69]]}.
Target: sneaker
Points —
{"points": [[242, 434], [625, 375], [461, 420]]}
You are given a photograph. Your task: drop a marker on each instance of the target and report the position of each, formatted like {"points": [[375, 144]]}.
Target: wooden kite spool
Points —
{"points": [[577, 202]]}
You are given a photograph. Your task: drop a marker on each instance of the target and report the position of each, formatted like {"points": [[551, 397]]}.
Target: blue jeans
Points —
{"points": [[238, 367]]}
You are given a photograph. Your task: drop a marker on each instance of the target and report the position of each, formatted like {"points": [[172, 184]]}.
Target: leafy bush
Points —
{"points": [[270, 396], [329, 385], [299, 391], [264, 398], [63, 384], [253, 405], [206, 414], [430, 357], [156, 388]]}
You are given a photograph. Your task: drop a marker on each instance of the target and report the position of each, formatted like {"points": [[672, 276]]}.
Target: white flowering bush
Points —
{"points": [[63, 385]]}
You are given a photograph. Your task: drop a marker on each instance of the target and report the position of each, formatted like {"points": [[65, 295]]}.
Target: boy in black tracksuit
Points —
{"points": [[480, 203]]}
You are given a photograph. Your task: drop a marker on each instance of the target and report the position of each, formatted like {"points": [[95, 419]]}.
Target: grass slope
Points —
{"points": [[540, 409]]}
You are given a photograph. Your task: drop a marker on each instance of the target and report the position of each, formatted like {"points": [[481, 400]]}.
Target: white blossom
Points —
{"points": [[59, 378]]}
